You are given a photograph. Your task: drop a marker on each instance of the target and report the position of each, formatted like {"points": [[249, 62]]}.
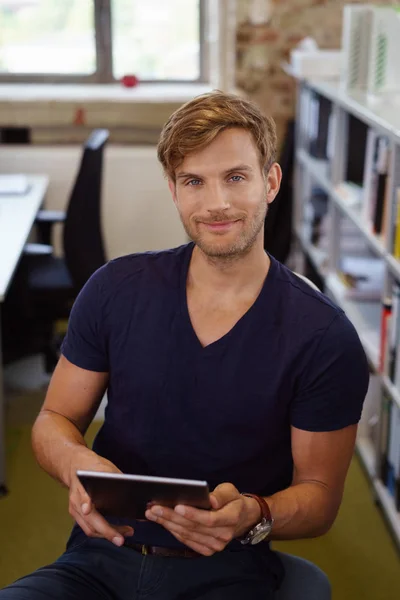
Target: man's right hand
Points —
{"points": [[82, 509]]}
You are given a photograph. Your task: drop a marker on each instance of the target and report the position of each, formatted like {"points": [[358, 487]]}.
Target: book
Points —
{"points": [[392, 474], [396, 225]]}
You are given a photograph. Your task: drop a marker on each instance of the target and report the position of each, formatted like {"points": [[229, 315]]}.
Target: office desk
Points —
{"points": [[17, 215]]}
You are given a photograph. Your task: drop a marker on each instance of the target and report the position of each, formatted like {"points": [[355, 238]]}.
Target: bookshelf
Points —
{"points": [[346, 225]]}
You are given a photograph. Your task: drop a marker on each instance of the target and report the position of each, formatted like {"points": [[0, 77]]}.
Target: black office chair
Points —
{"points": [[46, 285]]}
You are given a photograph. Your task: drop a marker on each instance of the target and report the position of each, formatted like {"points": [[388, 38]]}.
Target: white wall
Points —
{"points": [[137, 211]]}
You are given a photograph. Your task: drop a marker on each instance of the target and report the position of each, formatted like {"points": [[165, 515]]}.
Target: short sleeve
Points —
{"points": [[334, 384], [85, 344]]}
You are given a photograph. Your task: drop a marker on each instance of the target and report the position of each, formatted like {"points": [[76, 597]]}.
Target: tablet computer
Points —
{"points": [[121, 495]]}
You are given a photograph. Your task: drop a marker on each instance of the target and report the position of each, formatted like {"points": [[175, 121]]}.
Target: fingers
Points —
{"points": [[197, 547], [94, 525], [193, 519], [223, 495], [209, 541], [91, 521], [224, 517], [214, 538]]}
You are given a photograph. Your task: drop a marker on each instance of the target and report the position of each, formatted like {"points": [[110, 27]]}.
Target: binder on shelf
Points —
{"points": [[383, 438], [357, 138], [320, 110], [385, 323], [396, 225], [396, 459], [381, 174], [394, 334], [376, 182], [392, 476], [368, 180]]}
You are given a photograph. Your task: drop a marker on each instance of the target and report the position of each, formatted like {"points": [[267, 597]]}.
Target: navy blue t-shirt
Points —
{"points": [[220, 413]]}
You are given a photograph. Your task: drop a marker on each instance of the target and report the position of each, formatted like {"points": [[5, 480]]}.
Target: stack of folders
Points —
{"points": [[363, 277]]}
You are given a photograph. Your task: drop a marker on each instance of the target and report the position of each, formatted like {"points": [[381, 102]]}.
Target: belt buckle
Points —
{"points": [[144, 550]]}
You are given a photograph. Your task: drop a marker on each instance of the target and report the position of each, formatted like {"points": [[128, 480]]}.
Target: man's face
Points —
{"points": [[222, 195]]}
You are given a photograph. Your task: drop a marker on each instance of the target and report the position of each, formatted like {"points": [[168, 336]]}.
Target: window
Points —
{"points": [[156, 39], [102, 40]]}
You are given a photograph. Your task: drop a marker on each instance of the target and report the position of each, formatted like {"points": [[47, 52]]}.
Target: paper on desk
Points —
{"points": [[13, 184]]}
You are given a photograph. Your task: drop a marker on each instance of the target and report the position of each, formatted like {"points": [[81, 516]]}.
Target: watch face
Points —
{"points": [[258, 533], [260, 536]]}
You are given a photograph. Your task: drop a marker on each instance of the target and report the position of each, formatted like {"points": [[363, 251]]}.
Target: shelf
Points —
{"points": [[382, 112], [366, 452], [345, 199], [317, 256], [356, 217], [394, 265], [389, 509], [393, 392], [316, 167], [319, 170], [365, 316]]}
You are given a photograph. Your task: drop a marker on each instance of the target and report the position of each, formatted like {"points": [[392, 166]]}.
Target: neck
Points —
{"points": [[232, 274]]}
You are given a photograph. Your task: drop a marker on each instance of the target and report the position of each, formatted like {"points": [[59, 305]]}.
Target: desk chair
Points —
{"points": [[303, 580], [46, 285]]}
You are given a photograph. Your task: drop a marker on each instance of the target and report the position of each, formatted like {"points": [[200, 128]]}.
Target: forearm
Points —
{"points": [[58, 444], [303, 510]]}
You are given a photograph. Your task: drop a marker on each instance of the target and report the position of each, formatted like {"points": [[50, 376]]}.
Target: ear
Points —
{"points": [[172, 189], [274, 179]]}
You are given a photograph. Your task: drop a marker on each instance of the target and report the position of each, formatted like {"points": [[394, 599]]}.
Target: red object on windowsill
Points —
{"points": [[129, 81]]}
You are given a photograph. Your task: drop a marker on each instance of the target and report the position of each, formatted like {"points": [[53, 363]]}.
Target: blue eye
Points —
{"points": [[236, 178], [193, 182]]}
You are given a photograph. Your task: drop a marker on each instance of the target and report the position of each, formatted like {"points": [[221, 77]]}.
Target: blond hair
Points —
{"points": [[198, 122]]}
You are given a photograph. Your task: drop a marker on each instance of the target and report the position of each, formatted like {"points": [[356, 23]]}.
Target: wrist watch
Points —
{"points": [[262, 530]]}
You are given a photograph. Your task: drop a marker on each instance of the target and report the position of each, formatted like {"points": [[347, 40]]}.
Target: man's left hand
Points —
{"points": [[209, 531]]}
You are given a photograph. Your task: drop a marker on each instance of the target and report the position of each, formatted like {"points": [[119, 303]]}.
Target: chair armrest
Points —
{"points": [[53, 216], [45, 219], [38, 249]]}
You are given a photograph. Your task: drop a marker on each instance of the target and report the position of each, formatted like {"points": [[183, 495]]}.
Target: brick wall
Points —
{"points": [[267, 31]]}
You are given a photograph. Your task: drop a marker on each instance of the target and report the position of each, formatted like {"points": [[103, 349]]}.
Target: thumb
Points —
{"points": [[85, 502], [222, 495]]}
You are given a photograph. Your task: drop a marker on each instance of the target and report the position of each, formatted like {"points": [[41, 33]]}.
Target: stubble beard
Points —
{"points": [[228, 253]]}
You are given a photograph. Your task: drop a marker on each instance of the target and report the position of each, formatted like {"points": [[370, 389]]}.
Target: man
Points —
{"points": [[220, 364]]}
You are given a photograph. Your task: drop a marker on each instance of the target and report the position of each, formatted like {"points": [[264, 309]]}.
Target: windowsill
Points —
{"points": [[143, 93]]}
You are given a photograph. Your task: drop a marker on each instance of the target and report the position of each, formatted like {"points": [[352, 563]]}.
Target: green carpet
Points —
{"points": [[358, 554]]}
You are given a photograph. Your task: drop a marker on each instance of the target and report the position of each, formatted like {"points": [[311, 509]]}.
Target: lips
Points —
{"points": [[219, 223]]}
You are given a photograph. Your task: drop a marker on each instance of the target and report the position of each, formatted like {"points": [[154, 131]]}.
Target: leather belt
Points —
{"points": [[162, 551]]}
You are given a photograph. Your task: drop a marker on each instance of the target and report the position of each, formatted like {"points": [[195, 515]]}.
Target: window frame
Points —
{"points": [[103, 48]]}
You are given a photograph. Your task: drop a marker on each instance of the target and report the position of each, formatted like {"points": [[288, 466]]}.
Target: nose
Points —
{"points": [[217, 199]]}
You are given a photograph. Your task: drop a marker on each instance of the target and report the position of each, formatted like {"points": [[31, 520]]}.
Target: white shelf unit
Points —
{"points": [[363, 315], [327, 174]]}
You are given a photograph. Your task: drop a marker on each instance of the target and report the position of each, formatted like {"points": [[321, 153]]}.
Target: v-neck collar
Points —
{"points": [[187, 323]]}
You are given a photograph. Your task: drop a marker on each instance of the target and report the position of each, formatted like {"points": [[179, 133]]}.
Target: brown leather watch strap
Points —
{"points": [[265, 510]]}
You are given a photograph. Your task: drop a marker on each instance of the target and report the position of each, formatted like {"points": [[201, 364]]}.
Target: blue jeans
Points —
{"points": [[97, 570]]}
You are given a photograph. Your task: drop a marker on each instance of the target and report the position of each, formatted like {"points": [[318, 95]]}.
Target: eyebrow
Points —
{"points": [[230, 170]]}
